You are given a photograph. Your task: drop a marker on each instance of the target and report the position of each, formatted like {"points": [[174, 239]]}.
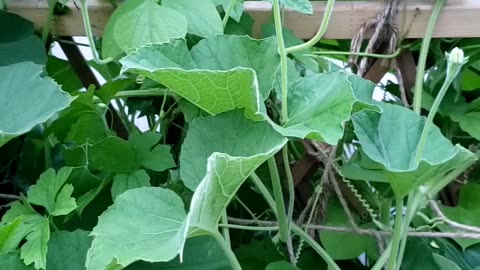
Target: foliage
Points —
{"points": [[250, 144]]}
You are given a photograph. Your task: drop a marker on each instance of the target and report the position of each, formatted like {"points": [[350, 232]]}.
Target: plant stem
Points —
{"points": [[264, 191], [302, 234], [88, 31], [363, 54], [422, 61], [291, 187], [397, 234], [279, 202], [383, 258], [271, 202], [321, 30], [3, 6], [123, 116], [431, 115], [248, 228], [227, 250], [413, 204], [226, 233], [48, 23], [283, 60], [229, 10]]}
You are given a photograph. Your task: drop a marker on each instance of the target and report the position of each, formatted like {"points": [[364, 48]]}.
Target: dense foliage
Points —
{"points": [[259, 153]]}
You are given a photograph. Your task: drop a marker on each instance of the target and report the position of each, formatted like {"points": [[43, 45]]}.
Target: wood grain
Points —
{"points": [[459, 18]]}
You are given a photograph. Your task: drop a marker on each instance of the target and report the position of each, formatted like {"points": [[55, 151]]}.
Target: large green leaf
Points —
{"points": [[391, 139], [281, 265], [12, 261], [303, 6], [213, 91], [52, 192], [257, 254], [225, 146], [146, 24], [200, 253], [466, 212], [237, 9], [146, 224], [17, 41], [228, 52], [202, 17], [26, 99], [444, 263], [110, 48], [68, 250], [319, 105]]}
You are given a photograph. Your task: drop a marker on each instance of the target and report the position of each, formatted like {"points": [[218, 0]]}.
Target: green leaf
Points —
{"points": [[201, 253], [214, 91], [34, 228], [62, 72], [35, 248], [202, 17], [113, 155], [143, 224], [302, 6], [52, 192], [123, 182], [109, 89], [342, 246], [29, 49], [9, 236], [466, 212], [237, 10], [12, 261], [444, 263], [229, 52], [110, 47], [281, 265], [146, 23], [391, 137], [149, 153], [19, 27], [67, 250], [319, 105], [228, 144], [21, 88], [257, 254], [469, 122]]}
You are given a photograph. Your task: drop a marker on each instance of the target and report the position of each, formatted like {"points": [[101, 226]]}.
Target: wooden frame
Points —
{"points": [[459, 18]]}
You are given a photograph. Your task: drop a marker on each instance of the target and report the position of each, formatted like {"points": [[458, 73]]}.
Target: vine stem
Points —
{"points": [[363, 54], [279, 202], [283, 59], [422, 61], [227, 250], [229, 10], [48, 23], [321, 30], [226, 233], [397, 234], [303, 235], [451, 74], [88, 31]]}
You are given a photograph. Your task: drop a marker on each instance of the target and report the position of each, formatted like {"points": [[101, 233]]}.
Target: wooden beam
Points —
{"points": [[459, 18]]}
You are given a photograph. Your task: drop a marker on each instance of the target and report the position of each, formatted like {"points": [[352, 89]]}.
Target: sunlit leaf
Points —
{"points": [[144, 224], [202, 17], [145, 25], [27, 98], [149, 153]]}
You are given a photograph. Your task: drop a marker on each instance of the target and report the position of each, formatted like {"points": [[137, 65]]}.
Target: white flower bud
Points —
{"points": [[456, 56]]}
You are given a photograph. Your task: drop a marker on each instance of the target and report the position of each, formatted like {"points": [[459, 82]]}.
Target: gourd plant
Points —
{"points": [[159, 198]]}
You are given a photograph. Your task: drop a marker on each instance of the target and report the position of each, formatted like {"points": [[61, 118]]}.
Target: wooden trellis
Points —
{"points": [[459, 18]]}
